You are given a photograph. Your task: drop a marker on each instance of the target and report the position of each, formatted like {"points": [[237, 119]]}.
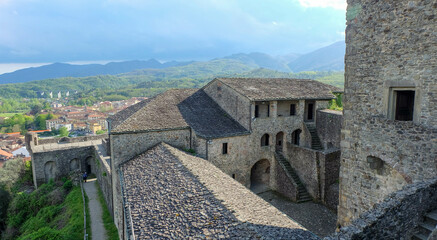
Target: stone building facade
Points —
{"points": [[263, 133], [239, 125], [389, 136]]}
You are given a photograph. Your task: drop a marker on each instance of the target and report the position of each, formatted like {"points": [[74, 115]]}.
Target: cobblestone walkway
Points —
{"points": [[97, 228], [314, 217]]}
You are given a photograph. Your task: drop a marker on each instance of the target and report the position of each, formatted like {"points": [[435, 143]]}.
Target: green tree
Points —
{"points": [[5, 198], [63, 132]]}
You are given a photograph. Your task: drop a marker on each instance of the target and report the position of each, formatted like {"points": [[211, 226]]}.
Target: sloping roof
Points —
{"points": [[207, 118], [180, 108], [158, 113], [5, 154], [172, 195], [122, 115], [265, 89]]}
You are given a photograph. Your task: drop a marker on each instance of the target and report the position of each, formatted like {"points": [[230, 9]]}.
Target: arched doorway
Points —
{"points": [[49, 170], [260, 176], [295, 137], [89, 165], [265, 140], [279, 141], [74, 164]]}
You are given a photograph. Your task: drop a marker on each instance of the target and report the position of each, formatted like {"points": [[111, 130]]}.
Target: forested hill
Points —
{"points": [[330, 58], [149, 82], [57, 70]]}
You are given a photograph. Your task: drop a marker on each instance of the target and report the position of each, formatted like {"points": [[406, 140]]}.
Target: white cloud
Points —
{"points": [[336, 4], [4, 2]]}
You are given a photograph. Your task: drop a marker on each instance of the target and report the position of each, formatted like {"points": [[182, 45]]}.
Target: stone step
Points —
{"points": [[420, 236], [304, 200], [427, 226], [432, 215]]}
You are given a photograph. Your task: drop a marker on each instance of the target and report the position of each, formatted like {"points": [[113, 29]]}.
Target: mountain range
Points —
{"points": [[330, 58]]}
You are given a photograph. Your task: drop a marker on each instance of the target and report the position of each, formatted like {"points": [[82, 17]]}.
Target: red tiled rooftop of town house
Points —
{"points": [[6, 154]]}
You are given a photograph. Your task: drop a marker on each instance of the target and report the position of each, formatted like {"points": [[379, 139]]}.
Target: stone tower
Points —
{"points": [[389, 136]]}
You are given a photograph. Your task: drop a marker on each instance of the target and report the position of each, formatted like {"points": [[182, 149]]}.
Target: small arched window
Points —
{"points": [[265, 140], [295, 137]]}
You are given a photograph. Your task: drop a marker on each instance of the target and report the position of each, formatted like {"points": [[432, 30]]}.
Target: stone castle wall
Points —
{"points": [[390, 45], [329, 123], [126, 146], [71, 140], [395, 217], [56, 164], [235, 104]]}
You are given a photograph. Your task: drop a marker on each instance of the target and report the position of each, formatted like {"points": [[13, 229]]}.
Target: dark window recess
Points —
{"points": [[233, 176], [404, 105], [292, 109], [225, 148], [295, 136], [268, 110], [310, 111], [265, 140], [256, 111]]}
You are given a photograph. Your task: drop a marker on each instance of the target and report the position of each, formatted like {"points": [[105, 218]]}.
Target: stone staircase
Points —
{"points": [[315, 140], [427, 226], [302, 194]]}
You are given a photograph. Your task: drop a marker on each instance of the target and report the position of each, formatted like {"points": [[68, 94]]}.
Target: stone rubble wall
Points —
{"points": [[235, 104], [396, 217], [329, 178], [388, 44], [305, 162], [71, 140], [328, 125], [104, 177], [317, 170], [127, 146], [61, 163]]}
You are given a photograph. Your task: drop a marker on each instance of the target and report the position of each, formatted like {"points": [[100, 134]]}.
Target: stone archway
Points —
{"points": [[49, 170], [279, 141], [295, 137], [260, 176], [89, 165], [74, 164]]}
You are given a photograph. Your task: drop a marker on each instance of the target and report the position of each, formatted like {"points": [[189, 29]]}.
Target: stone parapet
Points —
{"points": [[396, 216]]}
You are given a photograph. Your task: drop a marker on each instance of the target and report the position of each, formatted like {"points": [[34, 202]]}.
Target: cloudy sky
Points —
{"points": [[85, 30]]}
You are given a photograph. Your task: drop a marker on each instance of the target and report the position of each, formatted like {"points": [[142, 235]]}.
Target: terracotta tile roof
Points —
{"points": [[180, 108], [265, 89], [171, 195], [6, 154]]}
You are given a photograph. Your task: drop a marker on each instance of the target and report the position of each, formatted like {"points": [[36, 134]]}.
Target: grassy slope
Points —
{"points": [[111, 230], [46, 214]]}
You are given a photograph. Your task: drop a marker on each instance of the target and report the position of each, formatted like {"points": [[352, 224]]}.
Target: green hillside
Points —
{"points": [[149, 82]]}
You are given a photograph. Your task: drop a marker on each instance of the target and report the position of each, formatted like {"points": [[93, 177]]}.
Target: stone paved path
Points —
{"points": [[313, 216], [97, 228]]}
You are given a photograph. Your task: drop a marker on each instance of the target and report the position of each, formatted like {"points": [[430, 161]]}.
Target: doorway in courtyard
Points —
{"points": [[309, 111], [279, 141], [260, 176], [88, 165]]}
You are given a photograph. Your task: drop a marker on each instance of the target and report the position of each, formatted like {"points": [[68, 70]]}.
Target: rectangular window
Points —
{"points": [[225, 148], [401, 104], [256, 111], [404, 105], [268, 110], [292, 109]]}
